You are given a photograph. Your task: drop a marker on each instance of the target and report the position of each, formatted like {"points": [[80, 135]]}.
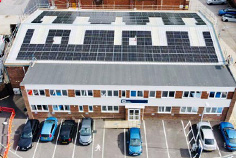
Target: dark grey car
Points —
{"points": [[86, 131]]}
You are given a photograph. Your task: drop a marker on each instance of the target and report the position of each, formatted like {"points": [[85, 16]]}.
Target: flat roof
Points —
{"points": [[153, 37], [129, 74]]}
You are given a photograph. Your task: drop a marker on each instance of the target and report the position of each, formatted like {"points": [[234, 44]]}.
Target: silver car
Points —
{"points": [[86, 131], [216, 2], [206, 136], [229, 17]]}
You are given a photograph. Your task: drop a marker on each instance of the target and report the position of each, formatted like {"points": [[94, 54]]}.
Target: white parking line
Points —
{"points": [[186, 138], [124, 142], [216, 142], [167, 148], [57, 140], [73, 154], [36, 148], [103, 142], [93, 138], [11, 151], [145, 134]]}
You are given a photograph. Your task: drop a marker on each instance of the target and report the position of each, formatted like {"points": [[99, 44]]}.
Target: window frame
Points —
{"points": [[79, 108], [89, 109], [37, 108], [59, 108], [107, 111], [186, 107], [164, 112], [55, 91], [150, 95], [216, 113], [168, 94], [189, 94], [215, 92], [122, 95]]}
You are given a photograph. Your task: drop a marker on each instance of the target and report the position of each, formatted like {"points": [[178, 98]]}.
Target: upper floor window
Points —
{"points": [[83, 93], [152, 94], [58, 92], [192, 94], [36, 92], [213, 94], [123, 93], [166, 94]]}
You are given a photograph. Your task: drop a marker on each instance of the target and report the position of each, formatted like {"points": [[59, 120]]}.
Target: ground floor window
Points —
{"points": [[39, 108], [107, 108], [81, 108], [164, 109], [189, 110], [90, 108], [213, 110], [61, 108]]}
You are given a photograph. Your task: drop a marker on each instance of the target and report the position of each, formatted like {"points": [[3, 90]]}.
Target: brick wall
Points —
{"points": [[25, 97], [231, 96], [16, 75]]}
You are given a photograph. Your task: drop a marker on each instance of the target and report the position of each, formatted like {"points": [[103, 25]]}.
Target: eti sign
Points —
{"points": [[134, 101]]}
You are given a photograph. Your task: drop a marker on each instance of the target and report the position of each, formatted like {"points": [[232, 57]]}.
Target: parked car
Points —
{"points": [[86, 131], [135, 141], [206, 136], [229, 134], [48, 129], [228, 17], [28, 135], [231, 11], [216, 2], [67, 131]]}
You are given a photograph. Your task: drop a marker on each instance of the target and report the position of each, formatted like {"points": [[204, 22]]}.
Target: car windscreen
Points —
{"points": [[205, 127], [232, 140], [44, 135], [85, 131], [135, 142], [49, 121], [209, 141], [26, 135]]}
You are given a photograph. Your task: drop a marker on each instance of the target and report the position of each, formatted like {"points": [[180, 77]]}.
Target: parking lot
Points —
{"points": [[161, 138]]}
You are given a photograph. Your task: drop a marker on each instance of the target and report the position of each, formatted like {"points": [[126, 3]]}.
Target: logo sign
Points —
{"points": [[134, 101]]}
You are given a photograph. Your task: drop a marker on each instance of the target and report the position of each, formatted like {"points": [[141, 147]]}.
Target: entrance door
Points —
{"points": [[134, 114]]}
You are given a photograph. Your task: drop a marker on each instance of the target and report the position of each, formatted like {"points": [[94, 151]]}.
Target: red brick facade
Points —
{"points": [[16, 75]]}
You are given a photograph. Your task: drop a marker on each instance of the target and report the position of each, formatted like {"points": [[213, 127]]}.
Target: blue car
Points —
{"points": [[48, 129], [229, 134], [135, 142], [231, 11]]}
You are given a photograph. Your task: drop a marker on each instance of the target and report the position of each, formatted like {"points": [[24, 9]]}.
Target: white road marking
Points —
{"points": [[103, 142], [36, 148], [73, 154], [167, 148], [186, 138], [216, 142], [125, 143], [16, 149], [145, 136], [57, 140], [11, 151], [93, 138]]}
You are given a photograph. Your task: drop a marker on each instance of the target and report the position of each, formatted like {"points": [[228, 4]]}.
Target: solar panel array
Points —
{"points": [[129, 18], [99, 46]]}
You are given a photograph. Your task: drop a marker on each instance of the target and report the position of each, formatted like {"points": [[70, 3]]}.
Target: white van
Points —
{"points": [[216, 2]]}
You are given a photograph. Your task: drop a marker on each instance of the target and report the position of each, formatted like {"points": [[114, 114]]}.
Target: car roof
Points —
{"points": [[208, 134], [27, 127], [86, 122], [47, 126], [135, 133], [204, 124], [231, 133], [231, 9], [229, 15]]}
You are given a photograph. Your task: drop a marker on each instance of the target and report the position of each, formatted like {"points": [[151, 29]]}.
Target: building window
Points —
{"points": [[39, 108], [36, 92], [64, 92], [123, 93], [42, 92], [58, 92], [103, 93], [30, 92], [90, 108], [217, 94], [192, 94], [152, 94], [133, 93], [140, 94], [116, 93], [213, 110], [164, 109], [77, 93], [189, 110], [109, 93], [81, 108], [90, 93], [110, 108], [170, 94], [83, 93], [61, 108]]}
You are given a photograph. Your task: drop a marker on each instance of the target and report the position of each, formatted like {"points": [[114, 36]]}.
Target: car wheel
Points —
{"points": [[226, 20], [224, 145]]}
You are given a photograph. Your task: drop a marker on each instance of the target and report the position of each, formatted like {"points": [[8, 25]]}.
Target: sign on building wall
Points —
{"points": [[134, 101]]}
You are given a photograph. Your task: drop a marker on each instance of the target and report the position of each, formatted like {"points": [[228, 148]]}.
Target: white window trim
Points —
{"points": [[211, 110], [215, 95], [164, 110], [60, 110], [81, 94], [88, 108], [168, 94], [188, 112], [79, 109], [110, 111], [38, 93], [194, 95], [87, 93], [114, 92], [103, 95], [56, 93], [154, 94], [37, 109]]}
